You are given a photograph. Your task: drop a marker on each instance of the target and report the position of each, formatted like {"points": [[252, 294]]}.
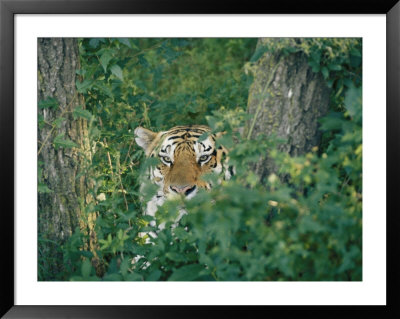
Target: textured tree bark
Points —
{"points": [[286, 98], [60, 210]]}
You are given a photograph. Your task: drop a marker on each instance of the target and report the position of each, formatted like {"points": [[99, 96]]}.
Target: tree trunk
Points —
{"points": [[61, 195], [286, 98]]}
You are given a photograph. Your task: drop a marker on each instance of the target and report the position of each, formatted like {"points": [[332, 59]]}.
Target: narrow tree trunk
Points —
{"points": [[60, 205], [286, 98]]}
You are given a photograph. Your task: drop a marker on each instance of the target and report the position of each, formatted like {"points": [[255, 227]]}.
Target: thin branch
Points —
{"points": [[127, 154], [118, 168], [109, 157]]}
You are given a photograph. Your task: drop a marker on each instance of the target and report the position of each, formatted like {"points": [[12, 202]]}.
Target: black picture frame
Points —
{"points": [[8, 10]]}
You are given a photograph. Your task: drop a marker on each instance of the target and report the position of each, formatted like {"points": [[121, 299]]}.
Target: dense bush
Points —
{"points": [[306, 226]]}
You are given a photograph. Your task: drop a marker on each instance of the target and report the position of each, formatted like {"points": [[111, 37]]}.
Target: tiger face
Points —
{"points": [[183, 159]]}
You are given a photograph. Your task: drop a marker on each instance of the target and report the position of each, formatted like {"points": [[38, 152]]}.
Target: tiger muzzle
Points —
{"points": [[185, 190]]}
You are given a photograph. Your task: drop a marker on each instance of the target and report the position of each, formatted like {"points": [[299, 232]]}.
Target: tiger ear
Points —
{"points": [[144, 138]]}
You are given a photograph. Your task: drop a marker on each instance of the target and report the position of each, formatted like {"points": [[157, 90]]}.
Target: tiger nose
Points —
{"points": [[187, 189]]}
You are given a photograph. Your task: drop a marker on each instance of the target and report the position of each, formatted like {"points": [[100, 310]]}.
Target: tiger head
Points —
{"points": [[183, 158]]}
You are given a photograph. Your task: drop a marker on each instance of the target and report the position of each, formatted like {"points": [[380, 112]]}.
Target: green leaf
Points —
{"points": [[124, 267], [42, 188], [142, 61], [325, 72], [186, 273], [59, 141], [134, 277], [330, 83], [259, 53], [112, 277], [315, 66], [79, 112], [333, 121], [105, 59], [347, 82], [154, 276], [225, 140], [48, 103], [58, 121], [86, 254], [181, 233], [94, 43], [291, 49], [174, 256], [355, 52], [86, 269], [95, 132], [355, 61], [104, 89], [125, 41], [117, 71], [80, 72], [316, 56], [203, 136], [41, 121], [148, 218], [307, 224], [334, 67], [353, 102], [84, 86]]}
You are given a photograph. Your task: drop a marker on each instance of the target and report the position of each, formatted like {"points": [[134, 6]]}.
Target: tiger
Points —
{"points": [[183, 159]]}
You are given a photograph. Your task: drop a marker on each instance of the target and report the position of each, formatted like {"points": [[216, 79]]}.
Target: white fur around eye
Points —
{"points": [[166, 153], [204, 148]]}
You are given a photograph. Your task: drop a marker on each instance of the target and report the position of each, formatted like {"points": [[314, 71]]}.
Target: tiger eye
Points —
{"points": [[166, 159]]}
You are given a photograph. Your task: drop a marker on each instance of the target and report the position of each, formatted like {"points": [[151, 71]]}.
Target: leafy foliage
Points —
{"points": [[306, 226]]}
